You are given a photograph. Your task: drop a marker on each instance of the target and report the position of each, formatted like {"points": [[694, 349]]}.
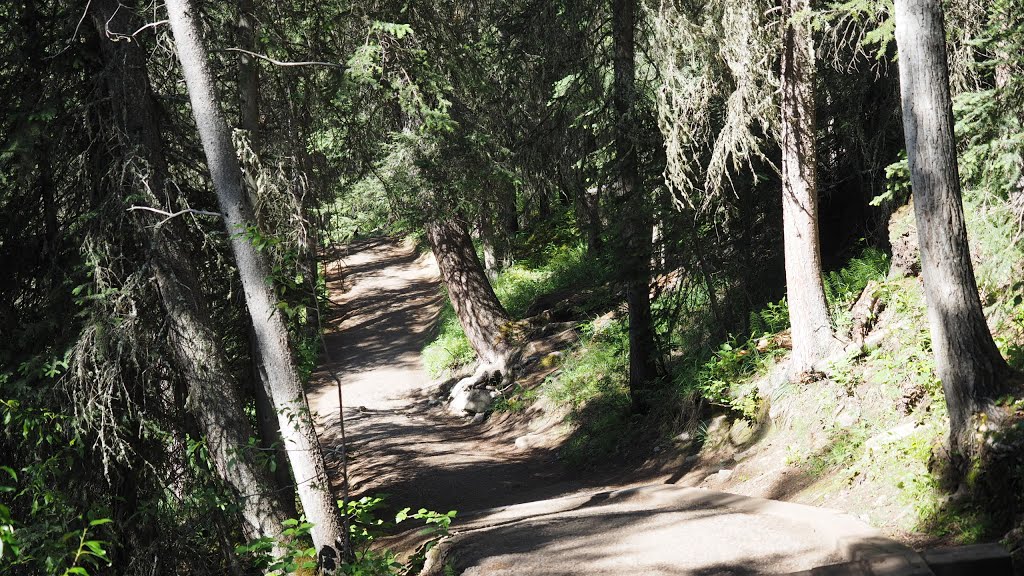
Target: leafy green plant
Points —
{"points": [[295, 553], [736, 360], [437, 523], [842, 287], [364, 525], [89, 552], [771, 319]]}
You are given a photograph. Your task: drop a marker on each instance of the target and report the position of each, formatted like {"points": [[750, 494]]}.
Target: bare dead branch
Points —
{"points": [[170, 215], [71, 41], [284, 63]]}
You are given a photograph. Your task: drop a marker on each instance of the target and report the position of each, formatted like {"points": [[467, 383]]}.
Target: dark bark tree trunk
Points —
{"points": [[296, 424], [35, 158], [481, 314], [248, 72], [813, 338], [588, 214], [249, 120], [972, 370], [635, 243], [213, 393]]}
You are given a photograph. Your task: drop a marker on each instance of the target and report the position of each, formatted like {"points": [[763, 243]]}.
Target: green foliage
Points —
{"points": [[437, 523], [897, 183], [36, 508], [593, 382], [718, 379], [771, 319], [297, 556], [450, 348], [866, 25], [558, 268], [844, 286]]}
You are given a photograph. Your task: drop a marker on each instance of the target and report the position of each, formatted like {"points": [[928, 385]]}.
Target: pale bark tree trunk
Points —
{"points": [[481, 315], [213, 392], [494, 255], [635, 244], [972, 370], [813, 338], [297, 430]]}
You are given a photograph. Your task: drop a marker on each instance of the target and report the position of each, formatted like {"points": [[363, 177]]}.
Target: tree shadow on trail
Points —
{"points": [[385, 326], [423, 460], [661, 531]]}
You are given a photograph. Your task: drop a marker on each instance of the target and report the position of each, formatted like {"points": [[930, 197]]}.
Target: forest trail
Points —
{"points": [[520, 512], [388, 300]]}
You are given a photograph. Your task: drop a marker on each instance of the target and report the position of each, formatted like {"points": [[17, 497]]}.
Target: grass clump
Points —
{"points": [[450, 348], [593, 383], [559, 268], [516, 400]]}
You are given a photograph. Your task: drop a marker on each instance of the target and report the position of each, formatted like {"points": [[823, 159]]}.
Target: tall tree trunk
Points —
{"points": [[36, 158], [481, 314], [213, 392], [249, 120], [972, 371], [635, 244], [248, 72], [299, 436], [493, 255], [588, 201], [813, 338]]}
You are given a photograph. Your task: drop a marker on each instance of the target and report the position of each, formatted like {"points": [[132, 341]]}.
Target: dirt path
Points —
{"points": [[389, 302], [519, 511]]}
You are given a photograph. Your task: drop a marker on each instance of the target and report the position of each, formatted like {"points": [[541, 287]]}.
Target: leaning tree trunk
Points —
{"points": [[972, 371], [813, 339], [482, 316], [213, 392], [635, 245], [297, 430]]}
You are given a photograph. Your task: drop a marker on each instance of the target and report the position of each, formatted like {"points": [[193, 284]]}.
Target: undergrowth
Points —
{"points": [[593, 383], [593, 380], [298, 557]]}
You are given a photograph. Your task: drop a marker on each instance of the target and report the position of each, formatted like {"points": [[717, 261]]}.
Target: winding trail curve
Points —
{"points": [[519, 511], [387, 301]]}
